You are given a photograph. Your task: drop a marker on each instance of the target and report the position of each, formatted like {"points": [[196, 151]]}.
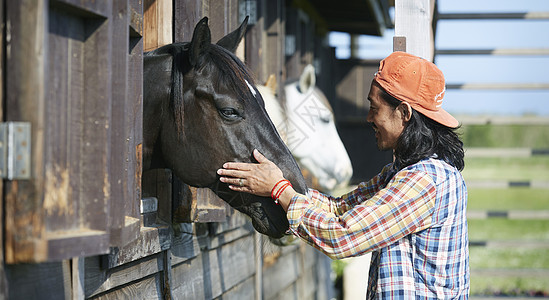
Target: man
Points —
{"points": [[412, 215]]}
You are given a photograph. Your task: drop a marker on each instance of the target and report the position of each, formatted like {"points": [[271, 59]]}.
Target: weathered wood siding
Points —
{"points": [[73, 71]]}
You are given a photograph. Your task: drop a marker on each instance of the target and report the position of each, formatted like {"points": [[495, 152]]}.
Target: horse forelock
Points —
{"points": [[232, 72]]}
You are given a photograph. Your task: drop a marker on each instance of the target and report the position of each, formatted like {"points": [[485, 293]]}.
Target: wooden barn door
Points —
{"points": [[74, 79]]}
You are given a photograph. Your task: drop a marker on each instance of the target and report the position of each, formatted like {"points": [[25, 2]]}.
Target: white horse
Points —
{"points": [[306, 124]]}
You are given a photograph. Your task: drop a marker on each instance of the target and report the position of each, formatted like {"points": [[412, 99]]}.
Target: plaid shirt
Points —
{"points": [[412, 220]]}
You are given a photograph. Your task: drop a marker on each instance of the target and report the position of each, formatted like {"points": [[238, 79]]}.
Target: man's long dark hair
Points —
{"points": [[423, 138]]}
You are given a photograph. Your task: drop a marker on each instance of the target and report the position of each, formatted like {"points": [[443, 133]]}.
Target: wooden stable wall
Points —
{"points": [[73, 73], [83, 226]]}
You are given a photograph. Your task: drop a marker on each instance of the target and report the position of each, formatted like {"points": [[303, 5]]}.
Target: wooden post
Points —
{"points": [[157, 23], [258, 252], [413, 21], [77, 278], [354, 45]]}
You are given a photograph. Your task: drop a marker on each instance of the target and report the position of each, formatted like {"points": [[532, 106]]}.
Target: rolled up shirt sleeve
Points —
{"points": [[367, 219]]}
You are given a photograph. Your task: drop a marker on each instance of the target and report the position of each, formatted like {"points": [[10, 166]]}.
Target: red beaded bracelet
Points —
{"points": [[274, 188], [276, 195]]}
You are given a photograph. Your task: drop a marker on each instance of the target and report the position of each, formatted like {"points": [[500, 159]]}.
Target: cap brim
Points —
{"points": [[441, 116]]}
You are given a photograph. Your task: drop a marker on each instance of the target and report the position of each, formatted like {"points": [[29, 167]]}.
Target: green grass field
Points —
{"points": [[509, 258], [497, 229], [518, 198], [507, 168], [492, 268], [508, 286], [505, 136]]}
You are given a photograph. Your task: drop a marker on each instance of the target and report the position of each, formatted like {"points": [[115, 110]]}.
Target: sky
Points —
{"points": [[481, 34]]}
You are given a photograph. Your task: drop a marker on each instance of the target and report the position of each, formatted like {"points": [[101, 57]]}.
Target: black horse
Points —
{"points": [[201, 109]]}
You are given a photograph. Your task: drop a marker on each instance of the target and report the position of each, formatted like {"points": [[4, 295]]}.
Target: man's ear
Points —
{"points": [[405, 110]]}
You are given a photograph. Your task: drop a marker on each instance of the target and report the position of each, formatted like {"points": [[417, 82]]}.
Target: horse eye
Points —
{"points": [[230, 113], [325, 118]]}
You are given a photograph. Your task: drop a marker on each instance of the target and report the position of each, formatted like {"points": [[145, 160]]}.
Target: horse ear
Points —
{"points": [[201, 40], [271, 83], [307, 80], [231, 40]]}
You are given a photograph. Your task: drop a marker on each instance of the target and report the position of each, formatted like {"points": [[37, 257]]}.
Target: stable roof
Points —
{"points": [[369, 17]]}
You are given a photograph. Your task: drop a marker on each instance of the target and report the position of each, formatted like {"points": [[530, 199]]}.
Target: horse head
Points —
{"points": [[312, 135], [201, 109]]}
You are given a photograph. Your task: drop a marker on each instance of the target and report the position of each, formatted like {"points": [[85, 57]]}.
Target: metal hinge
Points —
{"points": [[15, 150]]}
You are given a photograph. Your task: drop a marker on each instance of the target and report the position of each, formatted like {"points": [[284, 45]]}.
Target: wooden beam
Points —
{"points": [[502, 120], [378, 14], [482, 16], [413, 20], [531, 51], [498, 86]]}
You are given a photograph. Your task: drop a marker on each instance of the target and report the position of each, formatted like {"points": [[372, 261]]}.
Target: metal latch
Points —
{"points": [[15, 150]]}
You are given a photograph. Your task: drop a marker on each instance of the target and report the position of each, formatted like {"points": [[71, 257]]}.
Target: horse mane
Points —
{"points": [[231, 72]]}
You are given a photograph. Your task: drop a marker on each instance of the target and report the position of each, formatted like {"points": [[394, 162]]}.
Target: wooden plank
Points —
{"points": [[90, 9], [325, 285], [152, 240], [281, 275], [185, 243], [525, 51], [495, 120], [80, 242], [25, 92], [118, 154], [218, 18], [497, 86], [134, 115], [498, 152], [77, 278], [183, 205], [214, 272], [136, 18], [166, 278], [244, 290], [158, 183], [150, 33], [3, 281], [218, 240], [157, 23], [292, 45], [196, 204], [186, 15], [258, 257], [208, 207], [96, 107], [274, 42], [146, 288], [65, 107], [100, 280], [484, 16], [35, 281], [255, 51]]}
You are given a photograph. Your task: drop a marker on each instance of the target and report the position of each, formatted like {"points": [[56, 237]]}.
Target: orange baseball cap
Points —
{"points": [[418, 82]]}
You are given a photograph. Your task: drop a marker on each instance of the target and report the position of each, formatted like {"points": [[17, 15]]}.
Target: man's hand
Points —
{"points": [[258, 179]]}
